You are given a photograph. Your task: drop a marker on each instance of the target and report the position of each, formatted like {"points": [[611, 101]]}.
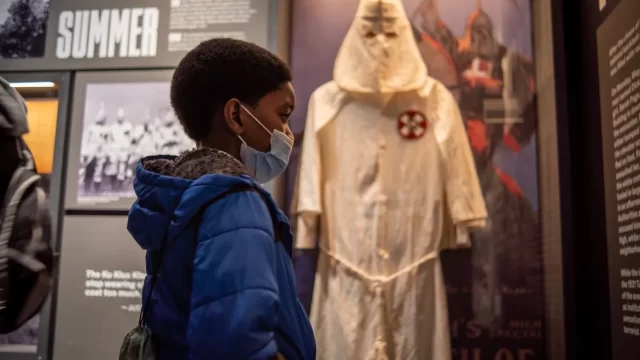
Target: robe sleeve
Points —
{"points": [[307, 205], [465, 203]]}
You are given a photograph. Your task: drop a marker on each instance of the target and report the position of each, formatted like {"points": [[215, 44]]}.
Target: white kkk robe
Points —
{"points": [[388, 181]]}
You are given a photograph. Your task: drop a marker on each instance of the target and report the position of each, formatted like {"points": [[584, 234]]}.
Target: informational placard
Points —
{"points": [[619, 75], [99, 292], [118, 118], [94, 34]]}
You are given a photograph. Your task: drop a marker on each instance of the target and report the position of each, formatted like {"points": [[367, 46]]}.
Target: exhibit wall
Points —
{"points": [[596, 58], [113, 108], [72, 34], [495, 289]]}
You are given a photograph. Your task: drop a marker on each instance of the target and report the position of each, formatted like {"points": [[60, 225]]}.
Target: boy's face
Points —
{"points": [[273, 111]]}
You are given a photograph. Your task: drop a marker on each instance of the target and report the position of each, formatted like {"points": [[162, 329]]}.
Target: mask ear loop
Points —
{"points": [[256, 119], [236, 118]]}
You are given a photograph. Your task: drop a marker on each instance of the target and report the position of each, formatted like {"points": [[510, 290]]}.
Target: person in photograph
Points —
{"points": [[170, 135], [225, 288], [121, 137], [143, 143], [94, 153]]}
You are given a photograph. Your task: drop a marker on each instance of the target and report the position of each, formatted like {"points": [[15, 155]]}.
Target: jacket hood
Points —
{"points": [[379, 54], [172, 191], [13, 111]]}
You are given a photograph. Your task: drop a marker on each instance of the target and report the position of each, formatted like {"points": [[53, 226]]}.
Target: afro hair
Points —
{"points": [[218, 70]]}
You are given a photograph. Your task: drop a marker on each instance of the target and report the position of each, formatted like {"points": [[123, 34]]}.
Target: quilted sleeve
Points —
{"points": [[235, 297], [465, 202], [307, 206]]}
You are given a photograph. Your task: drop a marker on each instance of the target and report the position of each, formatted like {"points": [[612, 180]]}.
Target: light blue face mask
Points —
{"points": [[267, 166]]}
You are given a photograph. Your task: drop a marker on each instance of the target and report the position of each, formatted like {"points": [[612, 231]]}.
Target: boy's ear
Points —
{"points": [[233, 117]]}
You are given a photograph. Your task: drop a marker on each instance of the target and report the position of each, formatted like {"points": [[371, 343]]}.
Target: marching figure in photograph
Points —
{"points": [[143, 143], [170, 134], [94, 152], [121, 147]]}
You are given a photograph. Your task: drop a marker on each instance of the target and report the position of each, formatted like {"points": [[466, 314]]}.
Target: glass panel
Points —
{"points": [[483, 52]]}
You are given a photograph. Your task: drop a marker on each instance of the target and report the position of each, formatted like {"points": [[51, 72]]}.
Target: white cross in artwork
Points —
{"points": [[479, 68]]}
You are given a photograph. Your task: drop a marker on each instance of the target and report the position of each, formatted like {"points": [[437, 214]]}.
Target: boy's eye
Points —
{"points": [[285, 117]]}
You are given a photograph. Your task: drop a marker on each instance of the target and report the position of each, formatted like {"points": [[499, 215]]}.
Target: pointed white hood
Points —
{"points": [[379, 54]]}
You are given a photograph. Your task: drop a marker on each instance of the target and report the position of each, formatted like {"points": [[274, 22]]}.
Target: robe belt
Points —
{"points": [[376, 283]]}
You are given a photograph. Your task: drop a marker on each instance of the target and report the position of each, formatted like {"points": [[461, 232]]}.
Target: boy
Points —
{"points": [[225, 287]]}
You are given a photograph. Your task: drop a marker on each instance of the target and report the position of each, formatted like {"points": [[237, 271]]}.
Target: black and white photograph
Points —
{"points": [[122, 123], [23, 28]]}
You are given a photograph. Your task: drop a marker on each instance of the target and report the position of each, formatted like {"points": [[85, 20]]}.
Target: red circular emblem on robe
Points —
{"points": [[412, 124]]}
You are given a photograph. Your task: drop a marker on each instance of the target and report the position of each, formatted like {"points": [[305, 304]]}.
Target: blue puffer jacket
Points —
{"points": [[226, 288]]}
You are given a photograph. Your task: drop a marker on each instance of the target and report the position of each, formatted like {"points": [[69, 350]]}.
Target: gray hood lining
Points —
{"points": [[193, 164]]}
